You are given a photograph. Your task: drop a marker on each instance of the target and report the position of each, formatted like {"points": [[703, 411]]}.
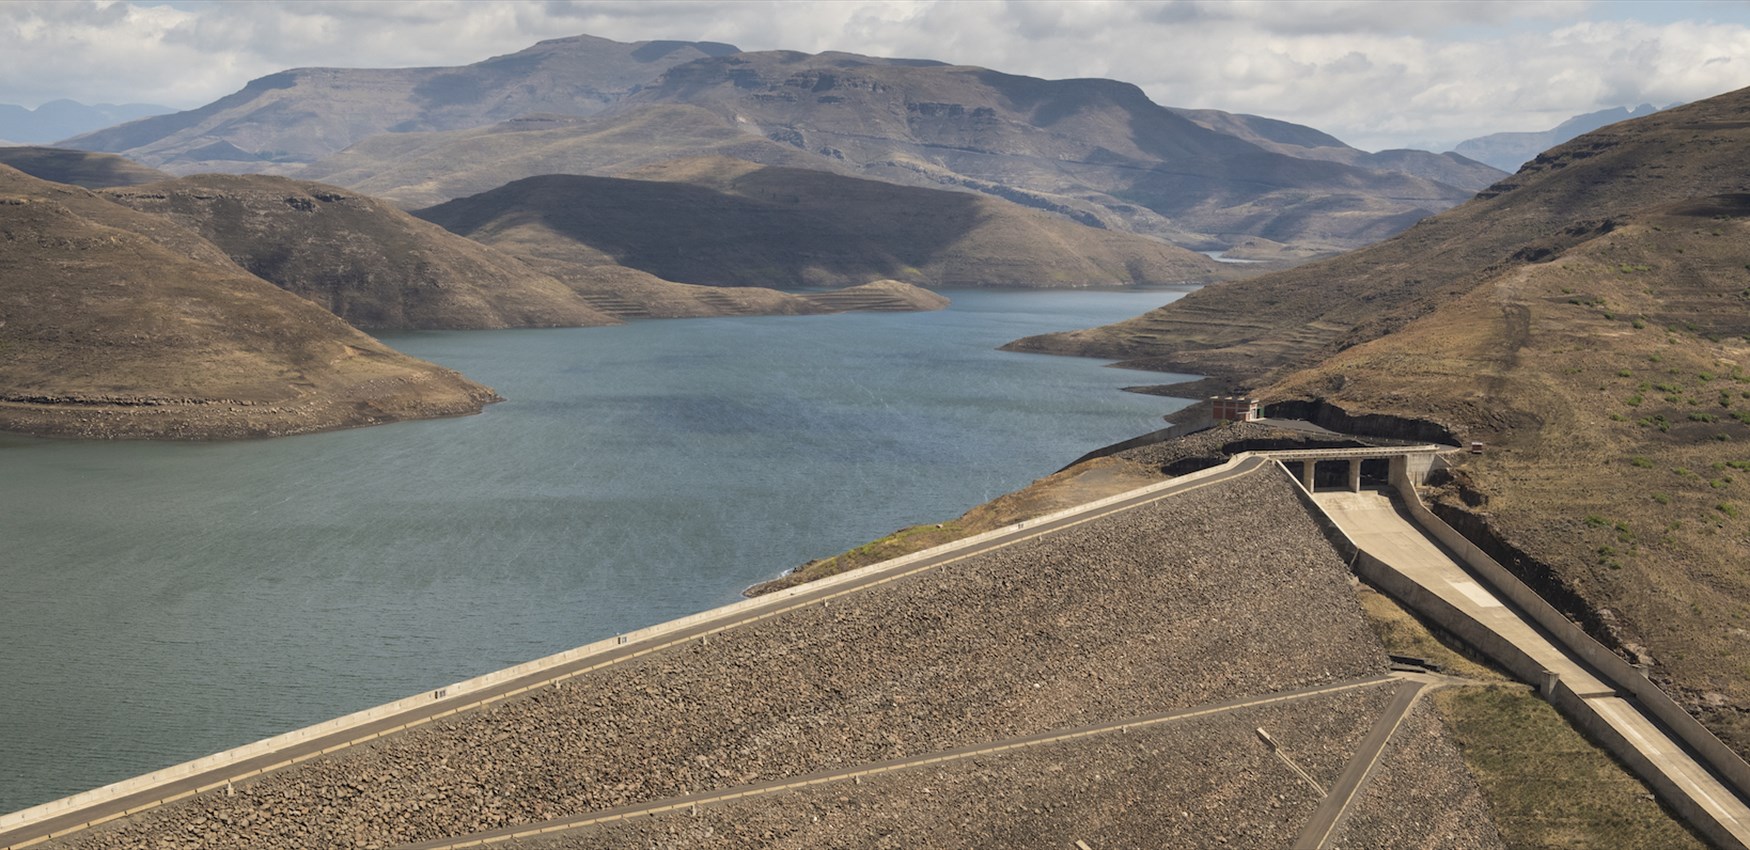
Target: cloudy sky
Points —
{"points": [[1376, 74]]}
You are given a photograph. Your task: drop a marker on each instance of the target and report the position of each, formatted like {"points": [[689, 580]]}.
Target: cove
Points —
{"points": [[161, 601]]}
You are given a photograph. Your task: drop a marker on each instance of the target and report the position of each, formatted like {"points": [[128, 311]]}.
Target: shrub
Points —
{"points": [[1661, 498], [1641, 461], [1728, 509]]}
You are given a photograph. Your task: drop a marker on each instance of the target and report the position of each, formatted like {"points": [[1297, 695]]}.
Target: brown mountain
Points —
{"points": [[1589, 321], [117, 323], [1307, 143], [283, 120], [1097, 151], [1252, 330], [365, 260], [734, 223], [79, 168]]}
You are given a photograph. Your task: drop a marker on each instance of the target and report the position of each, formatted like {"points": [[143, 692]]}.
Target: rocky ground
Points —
{"points": [[1420, 795], [1227, 592], [1205, 782]]}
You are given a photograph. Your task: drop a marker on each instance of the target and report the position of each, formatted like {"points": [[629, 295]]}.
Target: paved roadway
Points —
{"points": [[1373, 521], [1368, 751], [215, 778]]}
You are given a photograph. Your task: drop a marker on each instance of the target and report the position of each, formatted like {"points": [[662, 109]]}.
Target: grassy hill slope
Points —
{"points": [[364, 260], [1254, 330], [729, 222], [1612, 385], [116, 323]]}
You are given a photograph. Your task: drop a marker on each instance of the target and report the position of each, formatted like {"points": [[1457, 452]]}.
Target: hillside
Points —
{"points": [[1610, 384], [1301, 141], [728, 222], [283, 120], [1096, 151], [119, 324], [362, 259], [79, 168], [1251, 331], [1587, 320]]}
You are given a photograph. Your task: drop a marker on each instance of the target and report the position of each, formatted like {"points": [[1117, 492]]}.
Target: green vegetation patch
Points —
{"points": [[1547, 786]]}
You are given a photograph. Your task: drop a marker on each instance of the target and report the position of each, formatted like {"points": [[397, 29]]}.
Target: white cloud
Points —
{"points": [[1372, 74]]}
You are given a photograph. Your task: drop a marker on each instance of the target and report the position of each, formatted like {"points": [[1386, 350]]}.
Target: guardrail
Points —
{"points": [[410, 705]]}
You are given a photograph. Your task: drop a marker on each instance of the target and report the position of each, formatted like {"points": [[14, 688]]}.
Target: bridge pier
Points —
{"points": [[1355, 475], [1306, 474]]}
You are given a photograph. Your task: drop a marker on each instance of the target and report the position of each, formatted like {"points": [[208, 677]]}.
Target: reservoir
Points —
{"points": [[162, 601]]}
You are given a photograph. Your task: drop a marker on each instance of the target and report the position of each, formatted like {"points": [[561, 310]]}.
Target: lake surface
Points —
{"points": [[162, 601]]}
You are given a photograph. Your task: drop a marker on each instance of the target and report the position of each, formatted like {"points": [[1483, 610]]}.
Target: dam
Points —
{"points": [[1110, 649]]}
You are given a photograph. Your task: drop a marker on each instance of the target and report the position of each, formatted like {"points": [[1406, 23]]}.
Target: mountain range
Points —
{"points": [[1508, 151], [1094, 151], [59, 119]]}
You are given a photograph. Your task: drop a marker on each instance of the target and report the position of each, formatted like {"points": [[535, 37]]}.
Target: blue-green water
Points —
{"points": [[159, 602]]}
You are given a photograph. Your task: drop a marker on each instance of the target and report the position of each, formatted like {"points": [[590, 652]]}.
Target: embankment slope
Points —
{"points": [[121, 324]]}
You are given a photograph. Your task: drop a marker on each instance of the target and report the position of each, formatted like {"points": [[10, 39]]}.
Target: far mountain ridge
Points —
{"points": [[1094, 151], [59, 119], [1307, 143], [1508, 151], [283, 120]]}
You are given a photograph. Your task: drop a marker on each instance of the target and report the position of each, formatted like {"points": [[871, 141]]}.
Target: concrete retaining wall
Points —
{"points": [[1612, 669], [1718, 757], [1582, 713]]}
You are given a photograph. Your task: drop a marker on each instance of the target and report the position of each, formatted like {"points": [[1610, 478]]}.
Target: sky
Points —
{"points": [[1377, 74]]}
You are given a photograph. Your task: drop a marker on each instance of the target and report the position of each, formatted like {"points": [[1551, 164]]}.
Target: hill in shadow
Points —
{"points": [[79, 168], [734, 223]]}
